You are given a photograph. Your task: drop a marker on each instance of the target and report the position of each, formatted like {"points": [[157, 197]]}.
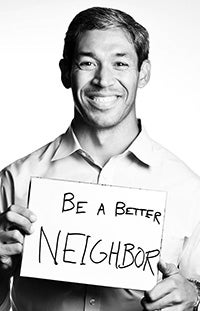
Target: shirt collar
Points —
{"points": [[68, 145], [141, 147]]}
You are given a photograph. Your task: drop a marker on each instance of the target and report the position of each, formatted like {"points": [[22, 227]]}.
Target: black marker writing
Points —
{"points": [[68, 204], [54, 255], [101, 209], [122, 209], [82, 249]]}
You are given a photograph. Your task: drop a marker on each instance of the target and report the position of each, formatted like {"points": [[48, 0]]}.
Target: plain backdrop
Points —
{"points": [[35, 107]]}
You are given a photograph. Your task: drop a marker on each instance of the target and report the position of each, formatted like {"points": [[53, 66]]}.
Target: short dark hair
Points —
{"points": [[104, 18]]}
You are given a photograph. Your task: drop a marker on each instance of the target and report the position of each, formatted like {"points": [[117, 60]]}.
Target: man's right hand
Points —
{"points": [[15, 223]]}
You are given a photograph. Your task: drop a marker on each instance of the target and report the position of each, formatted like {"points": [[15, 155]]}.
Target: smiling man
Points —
{"points": [[105, 61], [105, 79], [104, 75]]}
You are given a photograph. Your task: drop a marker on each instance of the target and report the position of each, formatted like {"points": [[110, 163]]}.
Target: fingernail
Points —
{"points": [[33, 218], [31, 230]]}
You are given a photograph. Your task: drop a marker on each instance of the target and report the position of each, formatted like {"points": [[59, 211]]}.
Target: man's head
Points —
{"points": [[105, 60], [105, 18]]}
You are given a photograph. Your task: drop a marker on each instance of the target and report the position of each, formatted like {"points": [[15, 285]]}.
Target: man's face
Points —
{"points": [[104, 78]]}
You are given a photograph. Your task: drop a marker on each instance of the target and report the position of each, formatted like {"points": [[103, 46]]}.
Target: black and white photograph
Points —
{"points": [[99, 161]]}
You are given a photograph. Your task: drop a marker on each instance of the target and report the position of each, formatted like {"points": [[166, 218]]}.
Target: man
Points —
{"points": [[105, 61]]}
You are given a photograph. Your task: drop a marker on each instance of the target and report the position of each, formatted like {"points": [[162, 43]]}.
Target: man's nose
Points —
{"points": [[103, 77]]}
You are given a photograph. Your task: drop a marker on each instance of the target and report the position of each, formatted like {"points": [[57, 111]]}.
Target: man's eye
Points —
{"points": [[86, 65], [121, 65]]}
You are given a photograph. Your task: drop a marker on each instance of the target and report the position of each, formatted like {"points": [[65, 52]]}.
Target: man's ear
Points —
{"points": [[144, 74], [65, 73]]}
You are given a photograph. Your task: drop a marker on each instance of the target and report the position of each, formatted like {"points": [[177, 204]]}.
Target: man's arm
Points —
{"points": [[14, 224], [174, 292]]}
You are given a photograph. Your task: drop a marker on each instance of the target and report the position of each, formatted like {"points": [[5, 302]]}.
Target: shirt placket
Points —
{"points": [[106, 173], [92, 299]]}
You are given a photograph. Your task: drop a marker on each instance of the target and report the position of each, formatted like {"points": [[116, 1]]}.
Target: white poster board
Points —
{"points": [[94, 234]]}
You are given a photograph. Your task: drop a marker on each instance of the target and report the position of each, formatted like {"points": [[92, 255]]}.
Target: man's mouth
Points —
{"points": [[103, 99]]}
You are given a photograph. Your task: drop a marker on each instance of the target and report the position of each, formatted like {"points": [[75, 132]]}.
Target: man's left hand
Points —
{"points": [[174, 292]]}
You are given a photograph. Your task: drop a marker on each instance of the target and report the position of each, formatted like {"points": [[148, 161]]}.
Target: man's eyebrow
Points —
{"points": [[121, 54], [91, 54], [84, 53]]}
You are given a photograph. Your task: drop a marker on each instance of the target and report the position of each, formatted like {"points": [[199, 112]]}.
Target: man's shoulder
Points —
{"points": [[164, 163], [41, 157], [171, 164]]}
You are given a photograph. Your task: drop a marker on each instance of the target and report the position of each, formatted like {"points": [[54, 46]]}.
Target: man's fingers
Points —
{"points": [[167, 269], [174, 292], [11, 244], [16, 220], [17, 217], [167, 301], [5, 262], [10, 249], [20, 217], [162, 289], [12, 236], [158, 292], [23, 212], [14, 223]]}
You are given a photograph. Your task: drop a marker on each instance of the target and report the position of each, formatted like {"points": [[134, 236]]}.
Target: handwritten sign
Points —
{"points": [[94, 234]]}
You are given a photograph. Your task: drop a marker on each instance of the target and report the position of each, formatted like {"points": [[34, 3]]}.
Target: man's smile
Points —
{"points": [[103, 101]]}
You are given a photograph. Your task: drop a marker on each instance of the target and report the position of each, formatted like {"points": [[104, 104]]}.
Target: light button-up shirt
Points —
{"points": [[145, 164]]}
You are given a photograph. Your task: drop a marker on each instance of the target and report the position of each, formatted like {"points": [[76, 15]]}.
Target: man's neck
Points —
{"points": [[102, 144]]}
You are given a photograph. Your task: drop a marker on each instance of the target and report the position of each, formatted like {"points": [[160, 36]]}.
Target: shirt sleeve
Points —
{"points": [[6, 190], [189, 262]]}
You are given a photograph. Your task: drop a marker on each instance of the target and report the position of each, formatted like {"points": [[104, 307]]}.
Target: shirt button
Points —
{"points": [[92, 301]]}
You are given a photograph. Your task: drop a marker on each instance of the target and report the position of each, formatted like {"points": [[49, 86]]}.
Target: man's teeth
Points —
{"points": [[104, 99]]}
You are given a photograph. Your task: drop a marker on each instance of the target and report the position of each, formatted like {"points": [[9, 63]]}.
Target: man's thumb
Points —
{"points": [[167, 269]]}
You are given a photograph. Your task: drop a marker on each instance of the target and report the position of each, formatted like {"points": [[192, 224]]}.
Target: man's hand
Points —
{"points": [[174, 292], [14, 224]]}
